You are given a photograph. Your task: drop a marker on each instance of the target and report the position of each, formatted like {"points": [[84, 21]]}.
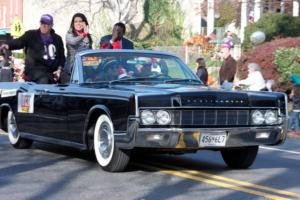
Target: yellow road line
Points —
{"points": [[243, 183], [213, 182]]}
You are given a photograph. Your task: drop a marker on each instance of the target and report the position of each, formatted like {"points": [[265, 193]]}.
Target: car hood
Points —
{"points": [[195, 95], [161, 88]]}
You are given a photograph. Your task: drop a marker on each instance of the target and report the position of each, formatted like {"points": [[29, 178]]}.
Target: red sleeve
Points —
{"points": [[104, 45]]}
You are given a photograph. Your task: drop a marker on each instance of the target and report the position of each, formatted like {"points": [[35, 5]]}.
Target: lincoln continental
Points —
{"points": [[120, 101]]}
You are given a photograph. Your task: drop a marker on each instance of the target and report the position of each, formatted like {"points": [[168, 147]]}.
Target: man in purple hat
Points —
{"points": [[44, 52]]}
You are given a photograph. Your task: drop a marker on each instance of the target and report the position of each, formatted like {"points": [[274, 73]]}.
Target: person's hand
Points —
{"points": [[117, 34], [238, 87], [57, 74], [4, 47], [85, 28], [114, 37]]}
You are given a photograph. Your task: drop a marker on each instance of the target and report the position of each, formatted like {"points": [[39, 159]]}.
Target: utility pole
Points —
{"points": [[295, 8], [257, 10], [210, 16], [282, 6], [200, 17], [244, 18]]}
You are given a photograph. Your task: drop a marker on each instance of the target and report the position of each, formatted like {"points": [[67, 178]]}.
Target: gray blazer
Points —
{"points": [[75, 44]]}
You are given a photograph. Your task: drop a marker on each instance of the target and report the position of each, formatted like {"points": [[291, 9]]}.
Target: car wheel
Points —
{"points": [[14, 135], [240, 158], [108, 155]]}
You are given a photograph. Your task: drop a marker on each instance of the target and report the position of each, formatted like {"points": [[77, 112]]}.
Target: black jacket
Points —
{"points": [[202, 74], [105, 44], [34, 50], [227, 70]]}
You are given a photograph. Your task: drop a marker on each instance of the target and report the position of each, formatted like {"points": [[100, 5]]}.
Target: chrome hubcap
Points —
{"points": [[12, 126], [105, 140]]}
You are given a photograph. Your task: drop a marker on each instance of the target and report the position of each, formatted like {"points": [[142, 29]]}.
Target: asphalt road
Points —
{"points": [[53, 172]]}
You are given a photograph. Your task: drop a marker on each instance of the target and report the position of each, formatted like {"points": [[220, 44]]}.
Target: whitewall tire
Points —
{"points": [[108, 155], [14, 135]]}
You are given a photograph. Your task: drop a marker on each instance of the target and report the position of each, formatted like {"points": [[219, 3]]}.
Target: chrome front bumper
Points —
{"points": [[189, 138]]}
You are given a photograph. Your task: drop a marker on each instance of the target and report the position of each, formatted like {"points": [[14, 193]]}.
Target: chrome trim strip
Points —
{"points": [[286, 105], [137, 111], [52, 140], [214, 107], [240, 129]]}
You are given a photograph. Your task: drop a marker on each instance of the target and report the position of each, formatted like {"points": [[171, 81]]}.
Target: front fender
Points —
{"points": [[4, 108], [91, 118]]}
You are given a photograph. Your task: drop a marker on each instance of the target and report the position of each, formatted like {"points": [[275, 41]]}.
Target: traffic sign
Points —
{"points": [[17, 27]]}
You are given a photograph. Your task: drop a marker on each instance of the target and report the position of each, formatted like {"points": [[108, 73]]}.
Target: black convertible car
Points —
{"points": [[123, 100]]}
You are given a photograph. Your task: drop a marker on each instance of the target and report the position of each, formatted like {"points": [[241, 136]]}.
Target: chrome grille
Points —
{"points": [[212, 117]]}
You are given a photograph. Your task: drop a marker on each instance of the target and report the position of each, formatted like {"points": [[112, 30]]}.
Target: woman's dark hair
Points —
{"points": [[84, 19], [80, 15], [201, 62]]}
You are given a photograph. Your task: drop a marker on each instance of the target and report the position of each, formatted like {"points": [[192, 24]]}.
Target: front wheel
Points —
{"points": [[108, 155], [241, 158], [14, 134]]}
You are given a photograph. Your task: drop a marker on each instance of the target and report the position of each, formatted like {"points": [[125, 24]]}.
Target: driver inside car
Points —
{"points": [[113, 70]]}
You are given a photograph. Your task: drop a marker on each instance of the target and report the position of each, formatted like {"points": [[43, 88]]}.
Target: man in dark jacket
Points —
{"points": [[228, 69], [116, 39], [44, 52]]}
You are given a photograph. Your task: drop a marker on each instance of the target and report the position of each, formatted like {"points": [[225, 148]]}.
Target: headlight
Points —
{"points": [[147, 117], [257, 117], [163, 117], [270, 117]]}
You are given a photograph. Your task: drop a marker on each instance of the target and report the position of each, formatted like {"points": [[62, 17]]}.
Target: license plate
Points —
{"points": [[213, 139]]}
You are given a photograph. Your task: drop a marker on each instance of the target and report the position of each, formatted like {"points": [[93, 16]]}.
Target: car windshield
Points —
{"points": [[118, 67]]}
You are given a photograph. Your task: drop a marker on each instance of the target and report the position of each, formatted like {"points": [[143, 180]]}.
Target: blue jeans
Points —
{"points": [[293, 121]]}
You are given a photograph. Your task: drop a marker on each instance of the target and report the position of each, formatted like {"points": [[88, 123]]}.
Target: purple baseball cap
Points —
{"points": [[46, 19]]}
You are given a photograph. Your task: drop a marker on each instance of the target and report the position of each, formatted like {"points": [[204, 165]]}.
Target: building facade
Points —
{"points": [[9, 10]]}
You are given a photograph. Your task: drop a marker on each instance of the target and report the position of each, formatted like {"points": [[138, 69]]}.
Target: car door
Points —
{"points": [[51, 112]]}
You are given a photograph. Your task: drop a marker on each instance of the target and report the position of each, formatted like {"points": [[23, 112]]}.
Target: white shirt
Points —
{"points": [[255, 81]]}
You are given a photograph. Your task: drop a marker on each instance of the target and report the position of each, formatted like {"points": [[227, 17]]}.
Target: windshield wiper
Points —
{"points": [[185, 80], [96, 82], [153, 78], [143, 78]]}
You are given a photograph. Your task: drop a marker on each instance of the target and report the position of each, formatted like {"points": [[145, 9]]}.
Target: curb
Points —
{"points": [[293, 135]]}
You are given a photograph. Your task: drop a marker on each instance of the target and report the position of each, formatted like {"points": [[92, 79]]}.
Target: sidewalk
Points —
{"points": [[294, 133]]}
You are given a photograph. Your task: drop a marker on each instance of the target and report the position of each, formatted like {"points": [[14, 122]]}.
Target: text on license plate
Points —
{"points": [[213, 139]]}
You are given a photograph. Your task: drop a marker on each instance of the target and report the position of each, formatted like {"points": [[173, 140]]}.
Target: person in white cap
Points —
{"points": [[44, 52]]}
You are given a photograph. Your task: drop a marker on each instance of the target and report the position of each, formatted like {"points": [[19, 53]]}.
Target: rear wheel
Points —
{"points": [[108, 155], [14, 135], [240, 158]]}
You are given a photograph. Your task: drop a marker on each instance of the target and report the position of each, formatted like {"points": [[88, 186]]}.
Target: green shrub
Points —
{"points": [[166, 21], [287, 60], [228, 12], [273, 25], [20, 55]]}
